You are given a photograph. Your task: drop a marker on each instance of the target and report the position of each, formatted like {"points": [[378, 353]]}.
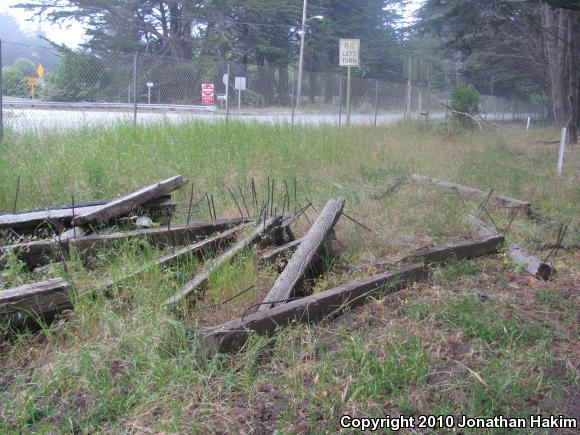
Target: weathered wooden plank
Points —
{"points": [[174, 257], [390, 186], [231, 336], [128, 202], [459, 251], [274, 254], [471, 193], [38, 253], [482, 229], [202, 278], [531, 264], [37, 299], [439, 254], [28, 220], [293, 274]]}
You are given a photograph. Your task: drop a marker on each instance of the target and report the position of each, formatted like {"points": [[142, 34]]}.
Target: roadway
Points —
{"points": [[23, 115]]}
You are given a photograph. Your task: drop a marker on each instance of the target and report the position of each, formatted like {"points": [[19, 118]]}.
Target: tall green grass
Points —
{"points": [[121, 363], [102, 163]]}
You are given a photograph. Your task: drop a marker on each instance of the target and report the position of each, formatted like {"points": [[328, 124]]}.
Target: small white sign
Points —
{"points": [[225, 79], [349, 53], [240, 84], [149, 84]]}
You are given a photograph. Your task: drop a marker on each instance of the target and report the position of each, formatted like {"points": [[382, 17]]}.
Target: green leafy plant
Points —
{"points": [[465, 99], [14, 83]]}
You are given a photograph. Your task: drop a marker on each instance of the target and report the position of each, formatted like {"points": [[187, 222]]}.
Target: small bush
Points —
{"points": [[465, 98]]}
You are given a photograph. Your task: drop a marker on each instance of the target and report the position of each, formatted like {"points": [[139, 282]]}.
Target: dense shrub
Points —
{"points": [[465, 98], [14, 82]]}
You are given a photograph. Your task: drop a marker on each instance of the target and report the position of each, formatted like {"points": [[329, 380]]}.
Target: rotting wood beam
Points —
{"points": [[38, 253], [40, 299], [198, 248], [201, 279], [531, 264], [301, 261], [29, 220], [129, 202], [458, 251], [274, 254], [231, 336], [463, 250], [471, 193], [390, 186]]}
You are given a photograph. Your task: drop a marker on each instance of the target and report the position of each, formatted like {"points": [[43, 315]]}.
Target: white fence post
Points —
{"points": [[562, 149]]}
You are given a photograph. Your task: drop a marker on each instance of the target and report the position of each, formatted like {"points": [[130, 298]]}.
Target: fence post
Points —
{"points": [[562, 148], [228, 95], [503, 109], [1, 100], [428, 92], [339, 99], [376, 101], [293, 96], [135, 89]]}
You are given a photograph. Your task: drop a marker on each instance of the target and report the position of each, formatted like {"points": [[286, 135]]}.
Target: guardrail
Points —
{"points": [[33, 104]]}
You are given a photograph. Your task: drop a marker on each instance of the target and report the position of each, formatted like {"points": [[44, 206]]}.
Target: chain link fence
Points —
{"points": [[76, 89]]}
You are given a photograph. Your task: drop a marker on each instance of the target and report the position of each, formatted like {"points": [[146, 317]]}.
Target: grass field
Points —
{"points": [[480, 338]]}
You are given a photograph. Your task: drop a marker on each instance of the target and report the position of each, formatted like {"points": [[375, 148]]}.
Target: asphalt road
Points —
{"points": [[22, 119]]}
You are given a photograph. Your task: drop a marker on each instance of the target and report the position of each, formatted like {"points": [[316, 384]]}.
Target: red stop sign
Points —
{"points": [[207, 93]]}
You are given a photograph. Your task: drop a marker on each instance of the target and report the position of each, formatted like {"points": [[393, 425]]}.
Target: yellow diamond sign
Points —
{"points": [[40, 71]]}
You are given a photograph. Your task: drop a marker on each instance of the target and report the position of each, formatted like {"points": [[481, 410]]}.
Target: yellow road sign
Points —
{"points": [[40, 71]]}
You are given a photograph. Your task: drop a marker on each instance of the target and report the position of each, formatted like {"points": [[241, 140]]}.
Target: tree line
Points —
{"points": [[530, 47], [524, 49]]}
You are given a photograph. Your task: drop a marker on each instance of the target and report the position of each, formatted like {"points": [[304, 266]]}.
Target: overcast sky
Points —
{"points": [[71, 34]]}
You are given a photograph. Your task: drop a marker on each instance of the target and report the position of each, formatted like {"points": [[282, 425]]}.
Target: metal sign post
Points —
{"points": [[32, 86], [348, 85], [340, 100], [349, 56]]}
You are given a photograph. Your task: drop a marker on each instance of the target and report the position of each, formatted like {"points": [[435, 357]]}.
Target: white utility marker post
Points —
{"points": [[410, 88], [529, 121], [562, 149], [240, 85], [349, 56], [226, 82], [149, 86]]}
